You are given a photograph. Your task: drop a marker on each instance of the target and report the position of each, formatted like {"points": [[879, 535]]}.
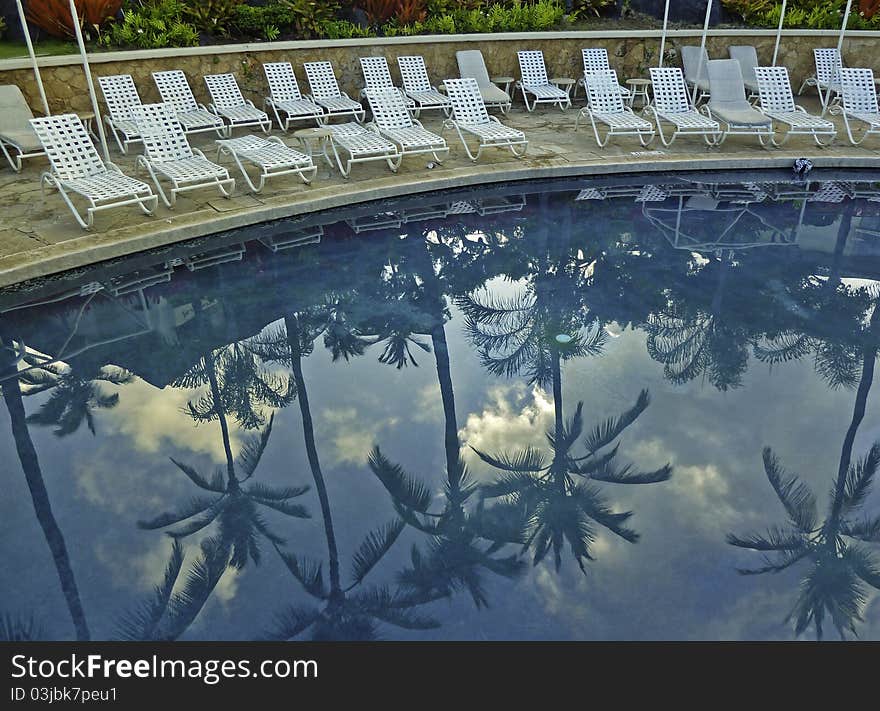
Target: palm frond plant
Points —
{"points": [[74, 396], [178, 599], [233, 504], [553, 498]]}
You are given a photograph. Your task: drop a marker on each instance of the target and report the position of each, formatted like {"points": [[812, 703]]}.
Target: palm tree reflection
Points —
{"points": [[841, 569]]}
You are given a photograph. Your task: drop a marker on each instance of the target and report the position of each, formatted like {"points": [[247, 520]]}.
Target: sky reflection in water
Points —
{"points": [[565, 414]]}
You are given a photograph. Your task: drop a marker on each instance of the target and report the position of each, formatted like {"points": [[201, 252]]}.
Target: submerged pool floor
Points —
{"points": [[534, 415]]}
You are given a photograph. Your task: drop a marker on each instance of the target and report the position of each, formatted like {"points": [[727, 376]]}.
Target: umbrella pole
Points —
{"points": [[702, 49], [663, 36], [779, 32], [843, 26], [30, 47], [99, 124]]}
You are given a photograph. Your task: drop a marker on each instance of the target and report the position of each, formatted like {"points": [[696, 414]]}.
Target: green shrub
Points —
{"points": [[214, 17], [151, 25], [343, 29], [806, 14], [310, 18]]}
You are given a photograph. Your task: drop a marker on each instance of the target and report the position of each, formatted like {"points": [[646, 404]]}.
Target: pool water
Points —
{"points": [[550, 411]]}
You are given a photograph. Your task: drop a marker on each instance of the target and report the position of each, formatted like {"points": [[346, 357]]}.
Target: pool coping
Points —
{"points": [[94, 247]]}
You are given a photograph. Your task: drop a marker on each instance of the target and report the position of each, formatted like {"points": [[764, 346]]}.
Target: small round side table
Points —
{"points": [[321, 134], [507, 81], [564, 83], [639, 88]]}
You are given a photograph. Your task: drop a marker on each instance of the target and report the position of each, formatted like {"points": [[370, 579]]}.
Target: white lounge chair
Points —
{"points": [[167, 153], [534, 81], [17, 139], [378, 76], [393, 121], [471, 65], [326, 93], [77, 168], [418, 87], [285, 97], [469, 115], [228, 103], [672, 104], [361, 145], [605, 105], [120, 96], [595, 59], [827, 77], [858, 103], [194, 117], [696, 73], [777, 102], [747, 56], [728, 103], [271, 155]]}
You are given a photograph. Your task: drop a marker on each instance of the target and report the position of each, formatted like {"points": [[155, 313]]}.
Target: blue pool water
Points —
{"points": [[552, 411]]}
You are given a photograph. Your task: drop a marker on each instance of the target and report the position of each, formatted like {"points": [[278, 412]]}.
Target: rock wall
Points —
{"points": [[631, 57]]}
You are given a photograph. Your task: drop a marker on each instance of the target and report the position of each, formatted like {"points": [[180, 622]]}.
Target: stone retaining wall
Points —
{"points": [[631, 55]]}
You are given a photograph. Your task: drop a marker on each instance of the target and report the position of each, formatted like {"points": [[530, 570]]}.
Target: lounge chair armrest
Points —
{"points": [[494, 118], [418, 123], [275, 139], [345, 95], [112, 166], [798, 107], [250, 103], [199, 153], [203, 107]]}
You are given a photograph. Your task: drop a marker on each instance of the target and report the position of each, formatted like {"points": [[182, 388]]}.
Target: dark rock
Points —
{"points": [[679, 10]]}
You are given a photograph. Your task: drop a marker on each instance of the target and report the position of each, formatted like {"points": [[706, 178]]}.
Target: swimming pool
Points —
{"points": [[564, 410]]}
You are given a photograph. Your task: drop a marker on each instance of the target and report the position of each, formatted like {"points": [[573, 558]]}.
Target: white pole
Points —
{"points": [[30, 46], [843, 26], [663, 36], [702, 50], [779, 32], [99, 125]]}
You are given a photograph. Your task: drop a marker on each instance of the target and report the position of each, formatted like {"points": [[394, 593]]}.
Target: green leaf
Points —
{"points": [[609, 430]]}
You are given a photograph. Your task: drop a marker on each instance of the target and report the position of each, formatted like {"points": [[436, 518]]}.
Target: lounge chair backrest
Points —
{"points": [[376, 73], [14, 109], [726, 84], [388, 107], [858, 90], [282, 81], [224, 91], [595, 60], [68, 146], [322, 80], [603, 92], [175, 90], [694, 68], [828, 64], [669, 89], [747, 56], [120, 95], [531, 68], [414, 73], [774, 88], [468, 107], [471, 64], [163, 136]]}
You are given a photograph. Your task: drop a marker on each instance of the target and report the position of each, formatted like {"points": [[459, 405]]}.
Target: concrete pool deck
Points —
{"points": [[39, 237]]}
